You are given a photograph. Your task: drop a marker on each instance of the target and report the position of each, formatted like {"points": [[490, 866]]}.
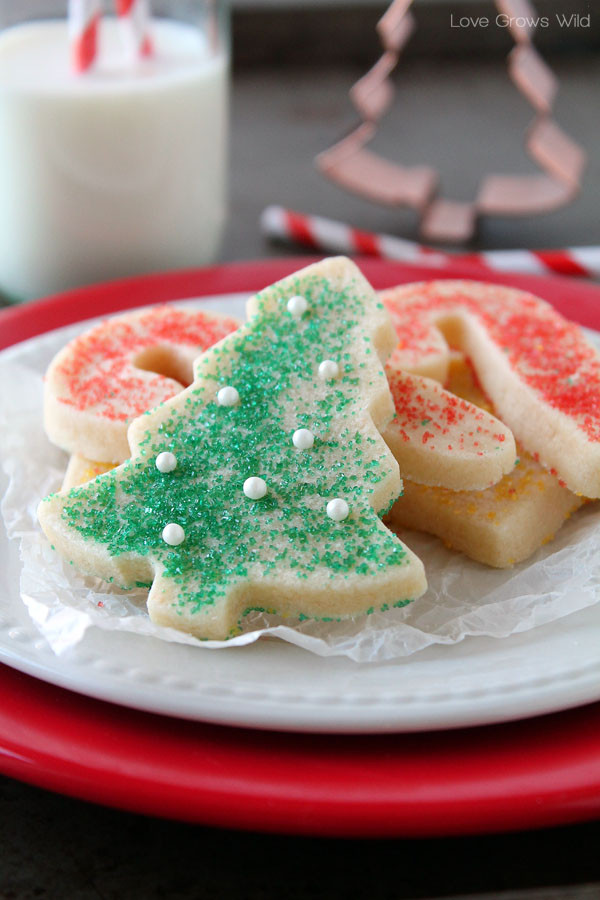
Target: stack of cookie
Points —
{"points": [[519, 358], [238, 468]]}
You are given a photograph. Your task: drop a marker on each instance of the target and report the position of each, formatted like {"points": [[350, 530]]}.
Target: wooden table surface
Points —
{"points": [[55, 847]]}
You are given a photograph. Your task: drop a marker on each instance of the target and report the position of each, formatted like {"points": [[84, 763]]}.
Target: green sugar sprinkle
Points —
{"points": [[229, 538]]}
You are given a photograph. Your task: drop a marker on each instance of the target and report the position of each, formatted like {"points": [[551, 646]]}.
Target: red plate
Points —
{"points": [[545, 771]]}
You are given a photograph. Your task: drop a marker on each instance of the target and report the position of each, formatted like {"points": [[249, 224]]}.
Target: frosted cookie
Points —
{"points": [[539, 371], [500, 526], [260, 485], [117, 370], [441, 439]]}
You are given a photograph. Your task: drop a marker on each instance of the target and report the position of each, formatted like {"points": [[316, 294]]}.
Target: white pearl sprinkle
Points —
{"points": [[328, 369], [173, 534], [303, 439], [255, 488], [337, 509], [297, 306], [166, 462], [228, 396]]}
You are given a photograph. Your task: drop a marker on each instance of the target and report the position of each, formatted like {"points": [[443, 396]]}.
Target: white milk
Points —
{"points": [[112, 173]]}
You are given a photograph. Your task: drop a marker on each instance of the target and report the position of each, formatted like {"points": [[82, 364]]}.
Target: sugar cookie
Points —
{"points": [[441, 439], [541, 374], [436, 437], [80, 470], [211, 549], [117, 370], [500, 526]]}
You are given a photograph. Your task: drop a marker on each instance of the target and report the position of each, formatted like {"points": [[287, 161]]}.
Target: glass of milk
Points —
{"points": [[117, 171]]}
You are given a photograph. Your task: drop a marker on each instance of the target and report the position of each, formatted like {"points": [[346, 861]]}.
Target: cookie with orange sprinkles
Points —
{"points": [[79, 470], [262, 485], [537, 368]]}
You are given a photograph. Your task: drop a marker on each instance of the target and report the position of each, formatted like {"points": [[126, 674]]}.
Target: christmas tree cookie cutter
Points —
{"points": [[561, 160]]}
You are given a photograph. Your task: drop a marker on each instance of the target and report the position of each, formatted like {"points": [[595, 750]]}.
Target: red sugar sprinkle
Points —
{"points": [[548, 353], [424, 409], [98, 371]]}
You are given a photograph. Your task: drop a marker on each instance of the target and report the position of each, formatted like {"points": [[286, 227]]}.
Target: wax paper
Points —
{"points": [[464, 598]]}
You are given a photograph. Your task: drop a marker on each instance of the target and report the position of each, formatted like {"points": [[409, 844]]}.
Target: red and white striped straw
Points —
{"points": [[84, 22], [84, 26], [327, 235], [134, 16]]}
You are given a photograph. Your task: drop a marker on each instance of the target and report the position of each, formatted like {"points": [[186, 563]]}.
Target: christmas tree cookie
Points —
{"points": [[260, 485]]}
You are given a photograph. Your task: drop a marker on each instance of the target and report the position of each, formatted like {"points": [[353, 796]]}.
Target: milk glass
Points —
{"points": [[117, 171]]}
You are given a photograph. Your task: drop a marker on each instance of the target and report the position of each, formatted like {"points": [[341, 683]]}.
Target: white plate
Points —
{"points": [[276, 685]]}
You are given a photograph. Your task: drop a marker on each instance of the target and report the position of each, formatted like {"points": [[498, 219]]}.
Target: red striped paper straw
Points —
{"points": [[84, 26], [84, 22], [328, 235], [134, 16]]}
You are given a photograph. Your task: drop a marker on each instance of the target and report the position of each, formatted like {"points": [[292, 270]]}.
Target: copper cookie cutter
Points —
{"points": [[560, 159]]}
